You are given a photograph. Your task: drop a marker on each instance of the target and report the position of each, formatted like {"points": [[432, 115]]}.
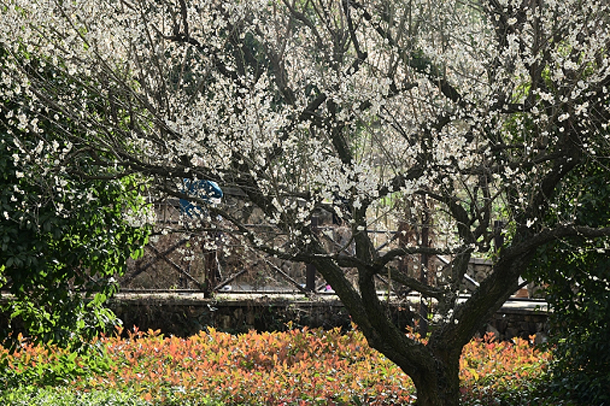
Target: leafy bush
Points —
{"points": [[577, 275], [502, 373], [283, 368], [50, 365], [32, 396], [67, 225], [64, 396]]}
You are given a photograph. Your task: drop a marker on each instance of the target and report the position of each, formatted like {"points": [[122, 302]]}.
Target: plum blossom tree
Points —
{"points": [[479, 110]]}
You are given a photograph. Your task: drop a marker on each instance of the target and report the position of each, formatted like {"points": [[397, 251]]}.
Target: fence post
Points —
{"points": [[424, 264], [211, 271], [310, 273], [498, 237]]}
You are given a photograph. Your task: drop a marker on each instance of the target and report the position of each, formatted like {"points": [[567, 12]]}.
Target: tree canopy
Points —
{"points": [[473, 112]]}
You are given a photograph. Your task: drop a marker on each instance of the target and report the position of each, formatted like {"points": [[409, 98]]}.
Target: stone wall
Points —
{"points": [[184, 317], [515, 323]]}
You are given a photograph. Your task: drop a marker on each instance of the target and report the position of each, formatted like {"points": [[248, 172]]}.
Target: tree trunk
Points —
{"points": [[438, 384]]}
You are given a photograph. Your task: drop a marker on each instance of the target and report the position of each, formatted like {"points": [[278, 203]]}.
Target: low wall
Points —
{"points": [[184, 315]]}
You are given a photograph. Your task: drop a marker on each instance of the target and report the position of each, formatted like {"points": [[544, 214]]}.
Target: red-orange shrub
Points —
{"points": [[311, 366]]}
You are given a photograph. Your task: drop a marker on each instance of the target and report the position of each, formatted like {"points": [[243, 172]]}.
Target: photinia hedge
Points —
{"points": [[281, 368]]}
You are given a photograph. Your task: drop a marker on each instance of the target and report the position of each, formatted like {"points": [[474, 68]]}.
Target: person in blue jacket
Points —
{"points": [[207, 190]]}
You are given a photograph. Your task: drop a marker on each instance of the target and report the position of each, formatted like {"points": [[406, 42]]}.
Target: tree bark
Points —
{"points": [[440, 386], [434, 368]]}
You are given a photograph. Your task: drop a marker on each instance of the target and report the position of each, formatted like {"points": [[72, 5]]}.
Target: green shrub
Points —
{"points": [[49, 365], [62, 396], [32, 396], [577, 275]]}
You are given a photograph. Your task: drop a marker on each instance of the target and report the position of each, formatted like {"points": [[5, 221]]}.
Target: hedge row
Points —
{"points": [[296, 367]]}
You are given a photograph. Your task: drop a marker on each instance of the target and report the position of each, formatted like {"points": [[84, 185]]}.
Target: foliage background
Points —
{"points": [[577, 277], [67, 227]]}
